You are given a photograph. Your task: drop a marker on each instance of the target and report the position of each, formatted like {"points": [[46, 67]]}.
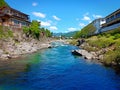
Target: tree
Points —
{"points": [[35, 31], [26, 30], [35, 28], [48, 33], [3, 3]]}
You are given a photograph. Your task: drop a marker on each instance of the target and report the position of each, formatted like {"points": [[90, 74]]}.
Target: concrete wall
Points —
{"points": [[110, 27]]}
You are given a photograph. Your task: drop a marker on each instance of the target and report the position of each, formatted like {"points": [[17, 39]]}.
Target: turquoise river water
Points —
{"points": [[56, 69]]}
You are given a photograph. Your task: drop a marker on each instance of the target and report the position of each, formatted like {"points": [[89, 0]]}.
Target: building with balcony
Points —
{"points": [[113, 18], [112, 21], [13, 18]]}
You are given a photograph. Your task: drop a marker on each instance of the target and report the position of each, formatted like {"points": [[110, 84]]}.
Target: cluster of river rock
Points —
{"points": [[12, 49], [90, 55]]}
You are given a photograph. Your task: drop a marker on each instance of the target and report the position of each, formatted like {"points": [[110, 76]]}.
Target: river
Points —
{"points": [[56, 69]]}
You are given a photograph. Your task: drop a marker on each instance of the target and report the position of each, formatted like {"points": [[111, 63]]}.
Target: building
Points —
{"points": [[98, 24], [112, 18], [13, 18], [112, 21]]}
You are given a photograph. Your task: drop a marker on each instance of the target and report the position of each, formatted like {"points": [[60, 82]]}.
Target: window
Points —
{"points": [[118, 15], [107, 20], [16, 21], [112, 18]]}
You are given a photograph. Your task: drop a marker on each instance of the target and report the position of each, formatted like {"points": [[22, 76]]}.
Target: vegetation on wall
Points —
{"points": [[86, 31], [5, 33]]}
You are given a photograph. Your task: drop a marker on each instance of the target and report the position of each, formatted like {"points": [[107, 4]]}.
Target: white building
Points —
{"points": [[98, 24]]}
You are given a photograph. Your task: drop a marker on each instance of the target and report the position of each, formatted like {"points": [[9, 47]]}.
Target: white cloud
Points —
{"points": [[39, 14], [86, 18], [47, 23], [81, 24], [97, 16], [72, 29], [53, 28], [56, 18], [90, 21], [34, 4]]}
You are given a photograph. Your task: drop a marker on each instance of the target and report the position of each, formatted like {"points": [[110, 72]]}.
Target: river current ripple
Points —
{"points": [[56, 69]]}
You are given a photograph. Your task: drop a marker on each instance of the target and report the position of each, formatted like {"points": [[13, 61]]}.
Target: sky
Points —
{"points": [[65, 15]]}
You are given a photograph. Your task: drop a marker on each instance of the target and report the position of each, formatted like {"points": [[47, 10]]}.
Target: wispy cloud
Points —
{"points": [[72, 29], [81, 24], [53, 28], [56, 18], [34, 4], [39, 14], [47, 23], [86, 17], [97, 16]]}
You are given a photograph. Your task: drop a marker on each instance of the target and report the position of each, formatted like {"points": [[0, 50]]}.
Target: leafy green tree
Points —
{"points": [[26, 30], [48, 33], [35, 28], [3, 3]]}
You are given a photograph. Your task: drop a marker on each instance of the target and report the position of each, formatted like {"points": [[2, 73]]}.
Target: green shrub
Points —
{"points": [[102, 42], [5, 33], [112, 56], [116, 36], [10, 33], [108, 35], [3, 3]]}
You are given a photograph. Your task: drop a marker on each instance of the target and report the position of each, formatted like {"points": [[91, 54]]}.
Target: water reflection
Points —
{"points": [[56, 69]]}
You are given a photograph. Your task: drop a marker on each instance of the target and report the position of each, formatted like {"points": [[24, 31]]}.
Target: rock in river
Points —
{"points": [[83, 53]]}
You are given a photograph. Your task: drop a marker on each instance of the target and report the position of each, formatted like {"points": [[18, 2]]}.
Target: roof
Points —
{"points": [[118, 10], [12, 9]]}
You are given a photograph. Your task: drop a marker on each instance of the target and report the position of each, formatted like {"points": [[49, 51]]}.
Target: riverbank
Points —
{"points": [[56, 69], [13, 49], [104, 47], [101, 49]]}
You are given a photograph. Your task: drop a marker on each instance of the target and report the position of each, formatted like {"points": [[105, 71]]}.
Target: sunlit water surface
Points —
{"points": [[56, 69]]}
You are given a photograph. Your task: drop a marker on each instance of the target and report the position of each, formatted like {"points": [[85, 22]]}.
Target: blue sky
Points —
{"points": [[65, 15]]}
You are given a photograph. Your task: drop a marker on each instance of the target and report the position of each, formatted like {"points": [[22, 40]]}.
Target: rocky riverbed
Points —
{"points": [[90, 53], [12, 49]]}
